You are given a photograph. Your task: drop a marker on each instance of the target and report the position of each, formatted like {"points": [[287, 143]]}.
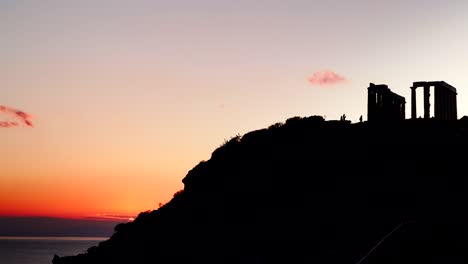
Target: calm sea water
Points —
{"points": [[41, 250]]}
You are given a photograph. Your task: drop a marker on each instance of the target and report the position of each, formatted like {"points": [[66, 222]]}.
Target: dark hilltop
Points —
{"points": [[387, 190]]}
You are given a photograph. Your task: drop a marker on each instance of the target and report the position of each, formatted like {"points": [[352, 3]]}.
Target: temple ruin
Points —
{"points": [[384, 105], [445, 100]]}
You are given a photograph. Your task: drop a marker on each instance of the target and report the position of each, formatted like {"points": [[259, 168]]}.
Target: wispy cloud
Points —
{"points": [[24, 117], [111, 217], [8, 124], [326, 78]]}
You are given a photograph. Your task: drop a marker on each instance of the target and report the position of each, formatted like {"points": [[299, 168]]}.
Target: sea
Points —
{"points": [[41, 250]]}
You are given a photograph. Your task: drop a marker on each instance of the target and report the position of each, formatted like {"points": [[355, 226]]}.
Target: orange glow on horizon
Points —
{"points": [[43, 195], [120, 115]]}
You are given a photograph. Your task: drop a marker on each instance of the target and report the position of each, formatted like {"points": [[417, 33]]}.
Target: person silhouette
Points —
{"points": [[360, 119]]}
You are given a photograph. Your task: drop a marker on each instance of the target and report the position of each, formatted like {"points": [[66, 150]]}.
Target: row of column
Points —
{"points": [[445, 104], [445, 107]]}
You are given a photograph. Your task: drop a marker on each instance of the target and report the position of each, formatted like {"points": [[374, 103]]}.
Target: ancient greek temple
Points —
{"points": [[445, 100], [383, 104]]}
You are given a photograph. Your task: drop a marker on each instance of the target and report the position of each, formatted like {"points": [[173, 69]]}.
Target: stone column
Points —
{"points": [[403, 111], [443, 103], [413, 103], [450, 105], [370, 104], [436, 102], [427, 103], [455, 106], [446, 104]]}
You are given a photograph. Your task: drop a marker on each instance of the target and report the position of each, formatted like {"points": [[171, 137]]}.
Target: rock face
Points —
{"points": [[312, 191]]}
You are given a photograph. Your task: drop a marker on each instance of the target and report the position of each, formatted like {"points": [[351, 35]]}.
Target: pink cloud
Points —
{"points": [[8, 124], [17, 114], [326, 78]]}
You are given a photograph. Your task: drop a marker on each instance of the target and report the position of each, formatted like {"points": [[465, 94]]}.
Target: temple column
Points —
{"points": [[455, 114], [427, 104], [370, 104], [454, 106], [413, 103], [436, 102], [450, 108], [446, 105], [403, 111], [440, 103]]}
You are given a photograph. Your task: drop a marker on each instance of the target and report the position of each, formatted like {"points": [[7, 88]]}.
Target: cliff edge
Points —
{"points": [[312, 191]]}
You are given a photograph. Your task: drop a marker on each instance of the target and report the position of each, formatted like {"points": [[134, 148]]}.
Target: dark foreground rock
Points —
{"points": [[312, 191]]}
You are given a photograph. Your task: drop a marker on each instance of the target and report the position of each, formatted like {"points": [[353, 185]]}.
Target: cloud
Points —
{"points": [[326, 78], [8, 124], [24, 117], [111, 217]]}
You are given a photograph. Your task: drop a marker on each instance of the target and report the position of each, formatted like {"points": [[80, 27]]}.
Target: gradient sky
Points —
{"points": [[128, 96]]}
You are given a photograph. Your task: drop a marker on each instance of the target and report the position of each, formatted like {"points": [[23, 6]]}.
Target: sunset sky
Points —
{"points": [[127, 96]]}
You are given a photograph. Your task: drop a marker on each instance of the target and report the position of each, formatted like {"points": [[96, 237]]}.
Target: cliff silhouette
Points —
{"points": [[312, 191]]}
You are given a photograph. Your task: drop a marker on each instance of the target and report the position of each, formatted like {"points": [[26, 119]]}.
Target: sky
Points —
{"points": [[126, 97]]}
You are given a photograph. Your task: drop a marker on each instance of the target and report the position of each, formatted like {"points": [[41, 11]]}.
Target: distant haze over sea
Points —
{"points": [[41, 250], [55, 227]]}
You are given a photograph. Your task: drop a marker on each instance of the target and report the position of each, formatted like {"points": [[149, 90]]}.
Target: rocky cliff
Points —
{"points": [[312, 191]]}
